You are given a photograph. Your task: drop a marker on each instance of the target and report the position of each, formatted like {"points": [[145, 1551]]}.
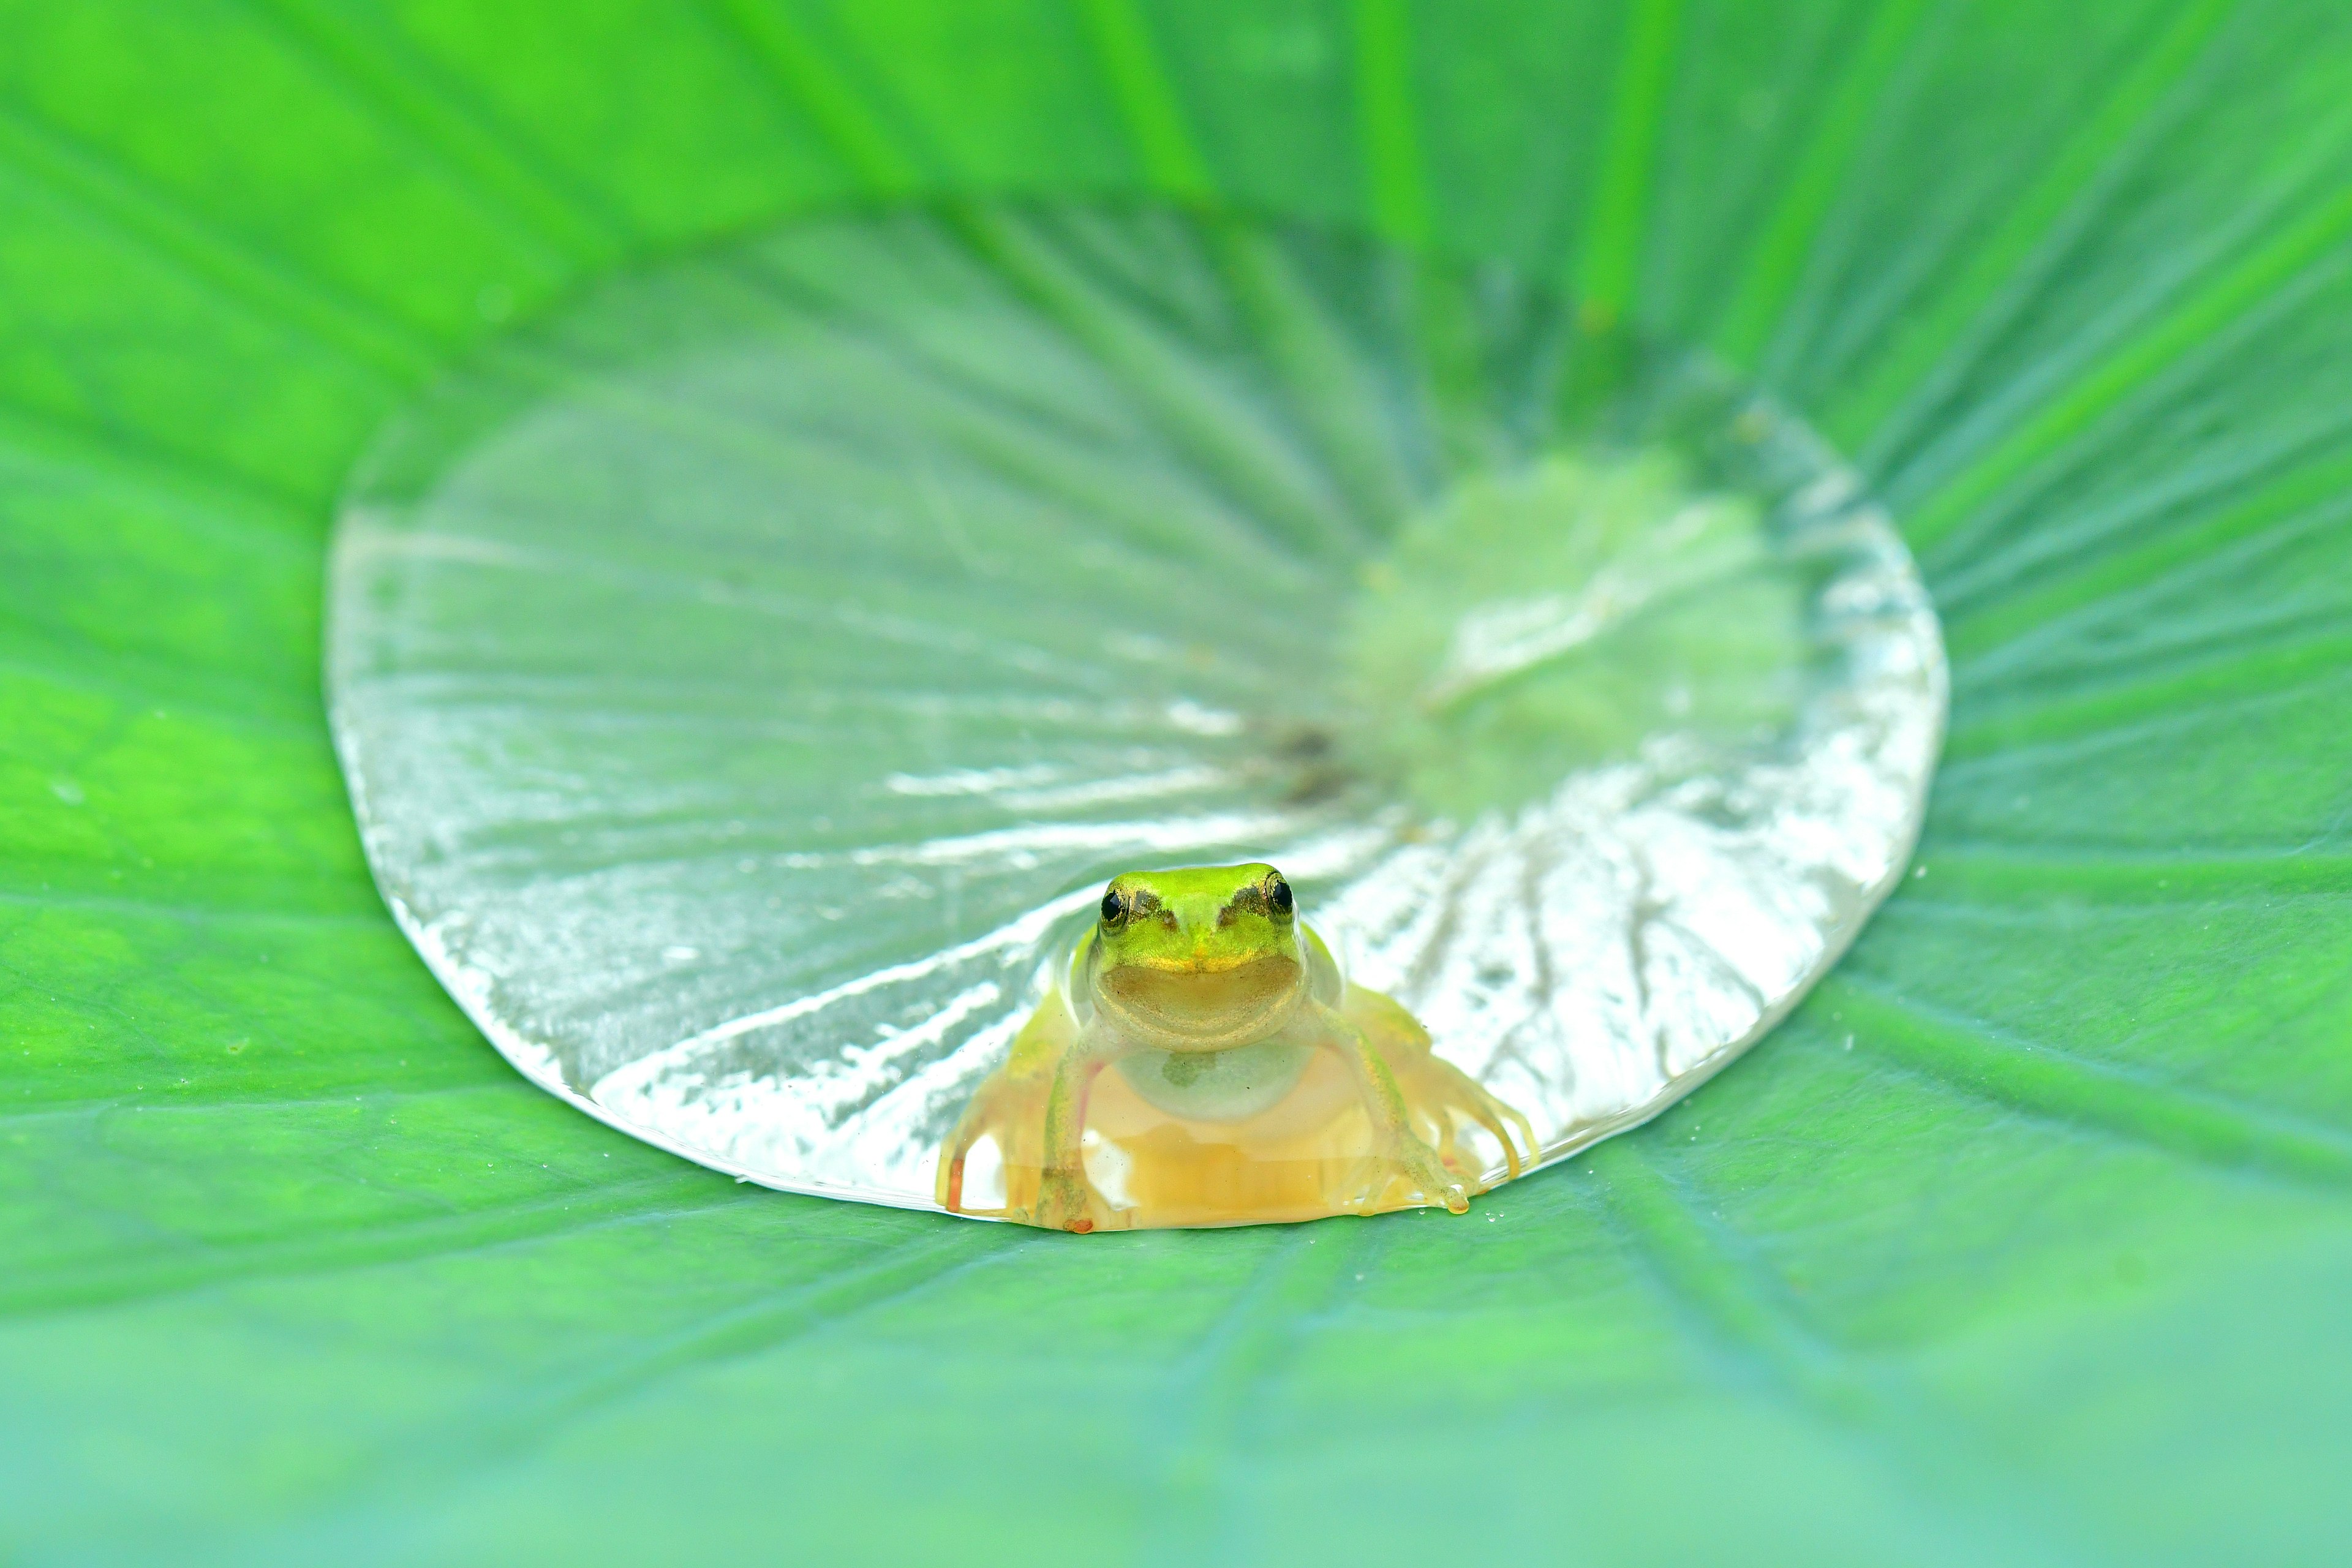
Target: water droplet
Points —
{"points": [[1591, 736]]}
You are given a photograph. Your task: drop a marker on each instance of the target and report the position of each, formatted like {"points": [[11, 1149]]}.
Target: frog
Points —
{"points": [[1205, 991]]}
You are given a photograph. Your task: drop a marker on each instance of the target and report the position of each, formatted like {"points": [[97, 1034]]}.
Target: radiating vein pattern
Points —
{"points": [[746, 680]]}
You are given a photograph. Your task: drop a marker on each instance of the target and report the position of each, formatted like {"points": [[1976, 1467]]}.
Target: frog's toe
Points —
{"points": [[1457, 1094], [1526, 1134], [1447, 1190], [1493, 1114], [948, 1183], [1425, 1171], [1064, 1202]]}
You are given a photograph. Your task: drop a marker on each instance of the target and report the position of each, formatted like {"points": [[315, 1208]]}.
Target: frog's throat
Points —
{"points": [[1211, 1006]]}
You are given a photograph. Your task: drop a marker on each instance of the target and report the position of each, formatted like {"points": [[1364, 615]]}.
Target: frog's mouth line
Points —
{"points": [[1182, 1008]]}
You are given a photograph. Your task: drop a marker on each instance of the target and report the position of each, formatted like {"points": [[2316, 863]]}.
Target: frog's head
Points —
{"points": [[1200, 960]]}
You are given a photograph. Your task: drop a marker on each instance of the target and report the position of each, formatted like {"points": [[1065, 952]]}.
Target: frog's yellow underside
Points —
{"points": [[1247, 1080]]}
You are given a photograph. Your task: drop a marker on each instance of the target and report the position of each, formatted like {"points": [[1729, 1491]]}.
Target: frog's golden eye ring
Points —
{"points": [[1113, 909], [1278, 898]]}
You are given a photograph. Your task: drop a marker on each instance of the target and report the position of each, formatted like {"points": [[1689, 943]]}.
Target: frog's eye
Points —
{"points": [[1114, 907], [1277, 895]]}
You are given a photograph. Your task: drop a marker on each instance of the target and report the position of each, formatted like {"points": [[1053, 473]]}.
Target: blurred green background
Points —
{"points": [[2028, 1238]]}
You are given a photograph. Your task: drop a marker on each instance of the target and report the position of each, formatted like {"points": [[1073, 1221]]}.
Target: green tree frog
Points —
{"points": [[1250, 1080]]}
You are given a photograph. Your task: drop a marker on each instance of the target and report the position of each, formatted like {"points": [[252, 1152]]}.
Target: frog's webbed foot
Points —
{"points": [[1057, 1200], [1445, 1092], [1003, 1112], [1010, 1112], [1447, 1172]]}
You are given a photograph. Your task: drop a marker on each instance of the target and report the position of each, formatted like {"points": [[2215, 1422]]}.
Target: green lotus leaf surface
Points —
{"points": [[2026, 1239]]}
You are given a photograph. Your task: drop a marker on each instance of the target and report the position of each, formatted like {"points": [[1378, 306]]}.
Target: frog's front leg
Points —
{"points": [[1066, 1199], [1406, 1149]]}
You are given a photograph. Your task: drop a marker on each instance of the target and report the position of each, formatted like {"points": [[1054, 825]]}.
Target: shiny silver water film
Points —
{"points": [[747, 681]]}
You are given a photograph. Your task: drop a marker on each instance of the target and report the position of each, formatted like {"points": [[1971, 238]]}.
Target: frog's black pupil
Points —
{"points": [[1110, 906], [1278, 893]]}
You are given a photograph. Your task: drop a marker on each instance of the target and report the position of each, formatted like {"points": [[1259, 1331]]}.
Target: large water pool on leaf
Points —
{"points": [[747, 679]]}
